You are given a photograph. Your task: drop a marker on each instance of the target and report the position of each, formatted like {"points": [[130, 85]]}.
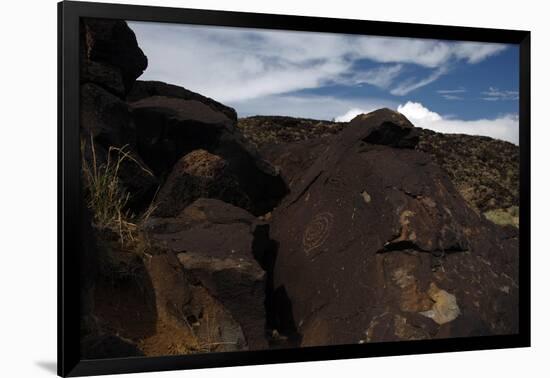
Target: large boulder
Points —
{"points": [[214, 242], [199, 174], [170, 127], [293, 159], [386, 247], [150, 301], [182, 306], [110, 55], [144, 89]]}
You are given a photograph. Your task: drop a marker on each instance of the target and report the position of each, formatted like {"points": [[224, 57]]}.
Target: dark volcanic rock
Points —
{"points": [[387, 128], [293, 159], [110, 61], [386, 248], [105, 121], [214, 242], [199, 174], [374, 242], [135, 177], [89, 262], [108, 77], [171, 312], [170, 285], [144, 89], [110, 46], [108, 346], [168, 128], [181, 303], [105, 117], [171, 127], [138, 180]]}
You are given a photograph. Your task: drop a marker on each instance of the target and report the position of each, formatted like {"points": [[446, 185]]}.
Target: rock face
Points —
{"points": [[293, 159], [181, 304], [105, 117], [110, 62], [111, 53], [214, 243], [386, 247]]}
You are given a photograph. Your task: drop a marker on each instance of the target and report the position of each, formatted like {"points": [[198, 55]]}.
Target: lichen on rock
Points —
{"points": [[445, 309]]}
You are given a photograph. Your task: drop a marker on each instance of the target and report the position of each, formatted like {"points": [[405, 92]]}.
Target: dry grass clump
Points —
{"points": [[105, 194]]}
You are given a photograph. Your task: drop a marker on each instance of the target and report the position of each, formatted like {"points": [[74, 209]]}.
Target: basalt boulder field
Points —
{"points": [[269, 231], [161, 148]]}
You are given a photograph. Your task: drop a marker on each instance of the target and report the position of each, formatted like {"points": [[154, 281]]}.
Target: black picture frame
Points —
{"points": [[69, 191]]}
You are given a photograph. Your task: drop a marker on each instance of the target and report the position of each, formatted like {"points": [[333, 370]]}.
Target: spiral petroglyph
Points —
{"points": [[317, 231]]}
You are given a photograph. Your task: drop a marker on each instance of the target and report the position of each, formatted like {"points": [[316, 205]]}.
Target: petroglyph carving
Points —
{"points": [[317, 231]]}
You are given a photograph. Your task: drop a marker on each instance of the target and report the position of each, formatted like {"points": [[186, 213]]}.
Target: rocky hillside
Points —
{"points": [[484, 170], [196, 222], [268, 130]]}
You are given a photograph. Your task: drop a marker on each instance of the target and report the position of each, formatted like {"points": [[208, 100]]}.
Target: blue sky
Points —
{"points": [[447, 86]]}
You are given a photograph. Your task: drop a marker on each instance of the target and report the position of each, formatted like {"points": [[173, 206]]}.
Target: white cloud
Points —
{"points": [[410, 85], [424, 52], [234, 64], [494, 94], [451, 91], [505, 127], [452, 94], [452, 97], [382, 76], [415, 111], [476, 52]]}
